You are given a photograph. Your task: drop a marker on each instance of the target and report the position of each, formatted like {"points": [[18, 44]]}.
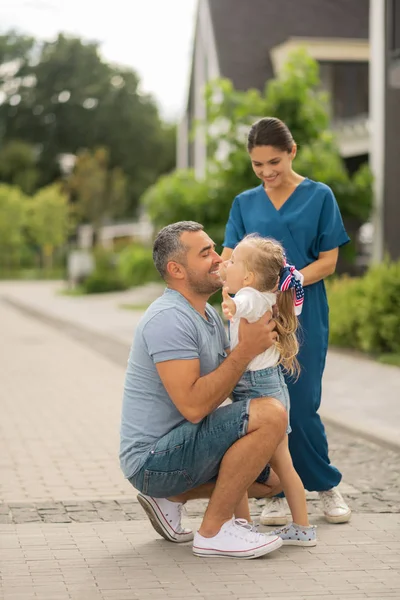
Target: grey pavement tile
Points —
{"points": [[109, 553], [29, 595]]}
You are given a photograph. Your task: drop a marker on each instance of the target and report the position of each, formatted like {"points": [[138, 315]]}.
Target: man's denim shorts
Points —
{"points": [[190, 454], [268, 382]]}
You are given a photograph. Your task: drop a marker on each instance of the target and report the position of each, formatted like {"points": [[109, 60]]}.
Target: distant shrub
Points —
{"points": [[136, 267]]}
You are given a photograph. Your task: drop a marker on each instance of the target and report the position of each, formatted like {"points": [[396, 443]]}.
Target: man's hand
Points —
{"points": [[228, 305], [259, 336]]}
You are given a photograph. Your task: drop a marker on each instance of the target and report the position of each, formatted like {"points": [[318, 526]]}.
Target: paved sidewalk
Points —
{"points": [[358, 393], [59, 427], [124, 561], [70, 525]]}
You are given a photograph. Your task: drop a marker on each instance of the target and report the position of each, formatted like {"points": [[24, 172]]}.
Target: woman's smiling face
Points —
{"points": [[271, 165]]}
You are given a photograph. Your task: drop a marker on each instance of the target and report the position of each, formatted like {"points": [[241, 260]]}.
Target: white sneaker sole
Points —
{"points": [[340, 519], [274, 544], [159, 524], [306, 543], [273, 520]]}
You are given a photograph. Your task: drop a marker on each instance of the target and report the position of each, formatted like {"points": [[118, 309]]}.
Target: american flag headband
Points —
{"points": [[290, 278]]}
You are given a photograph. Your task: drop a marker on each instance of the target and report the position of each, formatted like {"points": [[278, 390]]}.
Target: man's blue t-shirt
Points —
{"points": [[171, 329]]}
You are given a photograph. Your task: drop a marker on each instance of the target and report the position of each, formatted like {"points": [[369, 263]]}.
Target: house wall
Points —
{"points": [[249, 56], [193, 153], [182, 144]]}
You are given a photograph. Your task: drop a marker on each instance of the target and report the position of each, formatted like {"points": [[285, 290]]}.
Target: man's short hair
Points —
{"points": [[168, 246]]}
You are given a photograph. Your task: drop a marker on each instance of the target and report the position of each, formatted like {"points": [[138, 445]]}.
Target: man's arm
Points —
{"points": [[194, 396]]}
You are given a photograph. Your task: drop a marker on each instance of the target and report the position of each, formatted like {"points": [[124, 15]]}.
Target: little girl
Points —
{"points": [[259, 276]]}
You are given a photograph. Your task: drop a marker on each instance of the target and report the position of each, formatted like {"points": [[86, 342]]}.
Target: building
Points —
{"points": [[249, 41], [140, 232], [385, 132]]}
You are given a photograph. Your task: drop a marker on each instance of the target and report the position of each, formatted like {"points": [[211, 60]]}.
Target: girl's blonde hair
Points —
{"points": [[266, 262]]}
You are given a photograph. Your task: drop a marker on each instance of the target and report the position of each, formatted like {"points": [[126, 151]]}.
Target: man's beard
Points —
{"points": [[205, 286]]}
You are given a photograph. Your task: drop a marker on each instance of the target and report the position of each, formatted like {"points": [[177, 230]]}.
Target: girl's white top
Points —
{"points": [[252, 305]]}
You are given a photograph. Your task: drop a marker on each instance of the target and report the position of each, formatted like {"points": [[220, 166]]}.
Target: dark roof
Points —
{"points": [[246, 30]]}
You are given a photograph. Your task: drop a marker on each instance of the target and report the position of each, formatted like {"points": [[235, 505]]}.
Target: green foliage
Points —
{"points": [[380, 309], [321, 161], [344, 295], [296, 98], [48, 213], [100, 192], [181, 197], [390, 359], [136, 267], [48, 221], [18, 166], [62, 97], [365, 312], [12, 222], [105, 277]]}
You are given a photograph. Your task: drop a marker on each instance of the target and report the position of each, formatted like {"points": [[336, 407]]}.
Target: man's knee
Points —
{"points": [[268, 412]]}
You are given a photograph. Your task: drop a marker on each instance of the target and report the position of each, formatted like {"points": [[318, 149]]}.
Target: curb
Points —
{"points": [[385, 440]]}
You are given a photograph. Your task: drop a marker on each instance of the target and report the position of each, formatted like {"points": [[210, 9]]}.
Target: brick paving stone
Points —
{"points": [[71, 527], [175, 573], [67, 468]]}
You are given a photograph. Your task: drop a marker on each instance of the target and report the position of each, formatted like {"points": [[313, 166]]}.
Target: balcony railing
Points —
{"points": [[353, 135]]}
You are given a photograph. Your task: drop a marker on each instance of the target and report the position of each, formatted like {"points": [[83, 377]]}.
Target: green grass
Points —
{"points": [[140, 307], [390, 359], [32, 274], [76, 291]]}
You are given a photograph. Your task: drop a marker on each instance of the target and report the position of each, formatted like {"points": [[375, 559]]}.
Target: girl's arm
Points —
{"points": [[324, 265], [226, 253]]}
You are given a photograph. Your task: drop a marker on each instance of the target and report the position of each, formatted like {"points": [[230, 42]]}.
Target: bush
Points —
{"points": [[295, 96], [136, 267], [380, 309], [105, 277], [365, 312], [344, 295]]}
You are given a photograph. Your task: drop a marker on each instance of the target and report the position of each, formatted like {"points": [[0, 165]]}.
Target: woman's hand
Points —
{"points": [[324, 266]]}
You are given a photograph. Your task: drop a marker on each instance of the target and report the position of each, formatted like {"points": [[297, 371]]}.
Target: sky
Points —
{"points": [[154, 37]]}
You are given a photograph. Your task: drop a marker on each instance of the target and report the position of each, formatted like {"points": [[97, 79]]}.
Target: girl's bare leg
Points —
{"points": [[282, 464]]}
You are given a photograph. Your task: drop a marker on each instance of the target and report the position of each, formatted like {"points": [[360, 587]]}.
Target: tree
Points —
{"points": [[296, 98], [69, 99], [12, 221], [18, 165], [48, 221], [99, 191], [176, 197]]}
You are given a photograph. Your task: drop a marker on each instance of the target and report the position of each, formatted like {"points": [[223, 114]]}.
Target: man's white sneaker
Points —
{"points": [[274, 512], [335, 508], [165, 516], [236, 539]]}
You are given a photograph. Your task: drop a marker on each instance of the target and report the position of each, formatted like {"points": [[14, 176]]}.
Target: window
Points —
{"points": [[394, 27], [393, 43], [347, 84]]}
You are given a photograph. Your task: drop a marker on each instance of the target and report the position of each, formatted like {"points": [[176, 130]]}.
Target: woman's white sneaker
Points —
{"points": [[274, 512], [165, 516], [236, 539], [336, 510]]}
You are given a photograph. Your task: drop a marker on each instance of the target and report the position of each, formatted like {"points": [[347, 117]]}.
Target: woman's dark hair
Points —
{"points": [[270, 131]]}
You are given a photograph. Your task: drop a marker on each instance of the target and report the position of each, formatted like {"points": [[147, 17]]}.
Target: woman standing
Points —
{"points": [[304, 217]]}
